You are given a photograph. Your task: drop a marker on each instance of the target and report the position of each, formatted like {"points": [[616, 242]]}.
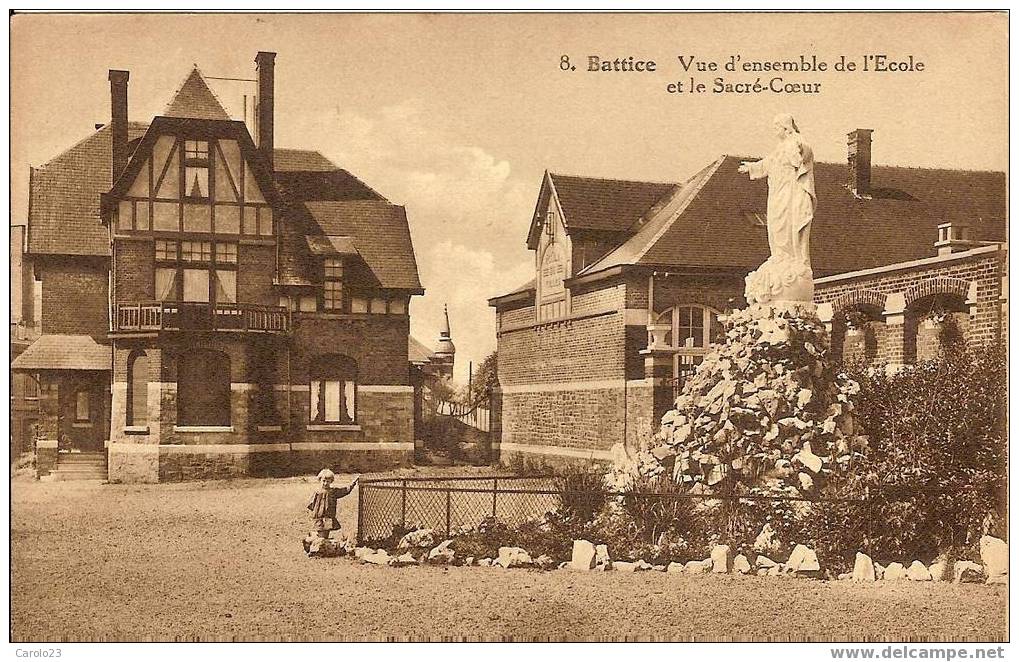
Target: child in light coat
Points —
{"points": [[323, 502]]}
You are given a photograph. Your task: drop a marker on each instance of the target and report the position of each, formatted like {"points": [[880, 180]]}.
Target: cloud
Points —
{"points": [[468, 214]]}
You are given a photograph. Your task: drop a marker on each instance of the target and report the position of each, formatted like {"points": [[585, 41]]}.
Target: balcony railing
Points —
{"points": [[173, 316]]}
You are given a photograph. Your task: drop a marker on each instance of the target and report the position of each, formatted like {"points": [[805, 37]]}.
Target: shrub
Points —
{"points": [[582, 493], [659, 506], [936, 467]]}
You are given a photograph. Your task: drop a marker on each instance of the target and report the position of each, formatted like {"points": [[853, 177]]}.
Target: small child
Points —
{"points": [[323, 502]]}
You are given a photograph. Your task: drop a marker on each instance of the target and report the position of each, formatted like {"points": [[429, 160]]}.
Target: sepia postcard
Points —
{"points": [[510, 327]]}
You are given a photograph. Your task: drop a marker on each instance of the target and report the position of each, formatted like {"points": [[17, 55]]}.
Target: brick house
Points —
{"points": [[630, 278], [212, 305]]}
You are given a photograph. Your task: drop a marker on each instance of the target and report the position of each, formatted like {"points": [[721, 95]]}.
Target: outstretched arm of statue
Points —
{"points": [[756, 169]]}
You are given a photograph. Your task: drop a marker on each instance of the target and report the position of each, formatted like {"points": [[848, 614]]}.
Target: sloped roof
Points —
{"points": [[335, 184], [63, 208], [64, 352], [709, 221], [418, 352], [589, 203], [308, 160], [196, 100], [381, 233], [897, 224], [650, 227]]}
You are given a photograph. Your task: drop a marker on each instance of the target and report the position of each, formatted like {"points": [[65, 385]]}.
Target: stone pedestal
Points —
{"points": [[768, 401]]}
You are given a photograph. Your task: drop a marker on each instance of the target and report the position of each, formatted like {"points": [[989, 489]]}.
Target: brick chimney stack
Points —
{"points": [[859, 161], [118, 119], [265, 64]]}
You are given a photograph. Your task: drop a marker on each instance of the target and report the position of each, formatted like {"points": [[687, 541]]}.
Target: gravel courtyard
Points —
{"points": [[223, 561]]}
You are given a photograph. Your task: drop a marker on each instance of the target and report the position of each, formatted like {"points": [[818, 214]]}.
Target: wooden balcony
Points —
{"points": [[174, 316]]}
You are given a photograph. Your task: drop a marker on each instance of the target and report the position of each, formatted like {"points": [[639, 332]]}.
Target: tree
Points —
{"points": [[485, 379]]}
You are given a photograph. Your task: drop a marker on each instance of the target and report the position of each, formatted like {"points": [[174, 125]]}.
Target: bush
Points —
{"points": [[582, 493], [936, 469], [660, 506]]}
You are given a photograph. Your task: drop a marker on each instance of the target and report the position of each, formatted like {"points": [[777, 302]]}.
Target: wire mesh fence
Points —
{"points": [[387, 506], [443, 504]]}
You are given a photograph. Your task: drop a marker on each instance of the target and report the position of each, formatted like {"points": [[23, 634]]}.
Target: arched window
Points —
{"points": [[854, 336], [203, 388], [690, 331], [551, 286], [138, 388], [333, 389], [934, 324]]}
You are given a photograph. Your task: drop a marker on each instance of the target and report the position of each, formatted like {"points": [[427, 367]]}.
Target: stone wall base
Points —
{"points": [[542, 459], [144, 463]]}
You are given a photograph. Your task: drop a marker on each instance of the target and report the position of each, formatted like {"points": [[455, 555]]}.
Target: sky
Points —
{"points": [[457, 117]]}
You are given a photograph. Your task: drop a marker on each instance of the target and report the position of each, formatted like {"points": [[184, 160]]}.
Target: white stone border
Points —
{"points": [[561, 451], [220, 449], [593, 385], [385, 388]]}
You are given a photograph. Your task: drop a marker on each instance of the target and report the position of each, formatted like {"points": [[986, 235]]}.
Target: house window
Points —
{"points": [[358, 305], [203, 388], [82, 412], [397, 307], [308, 304], [196, 285], [196, 169], [226, 286], [138, 389], [226, 253], [166, 284], [333, 268], [166, 250], [31, 387], [692, 332], [333, 389], [332, 295], [196, 149], [196, 251], [379, 306]]}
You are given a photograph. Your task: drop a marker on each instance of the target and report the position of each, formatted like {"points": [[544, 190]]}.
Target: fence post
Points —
{"points": [[403, 506], [448, 495], [360, 515], [495, 491]]}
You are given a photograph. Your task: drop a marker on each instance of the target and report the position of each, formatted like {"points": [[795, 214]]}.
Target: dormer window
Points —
{"points": [[196, 169], [756, 218], [550, 225]]}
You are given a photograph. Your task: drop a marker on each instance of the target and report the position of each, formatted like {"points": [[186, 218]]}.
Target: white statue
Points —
{"points": [[786, 275]]}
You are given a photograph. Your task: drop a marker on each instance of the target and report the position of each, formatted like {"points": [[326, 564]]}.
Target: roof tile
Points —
{"points": [[64, 352]]}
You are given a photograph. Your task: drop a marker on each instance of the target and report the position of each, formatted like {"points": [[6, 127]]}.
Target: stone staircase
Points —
{"points": [[79, 466]]}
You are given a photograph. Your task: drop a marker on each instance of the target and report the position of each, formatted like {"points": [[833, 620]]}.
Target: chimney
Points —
{"points": [[118, 119], [265, 65], [859, 162]]}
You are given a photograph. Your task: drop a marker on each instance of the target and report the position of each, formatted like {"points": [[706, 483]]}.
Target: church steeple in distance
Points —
{"points": [[445, 351]]}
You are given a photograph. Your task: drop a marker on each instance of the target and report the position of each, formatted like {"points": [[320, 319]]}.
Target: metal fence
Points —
{"points": [[444, 504], [389, 505]]}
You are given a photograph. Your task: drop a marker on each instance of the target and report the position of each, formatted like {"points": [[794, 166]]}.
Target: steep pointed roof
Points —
{"points": [[445, 346], [196, 100]]}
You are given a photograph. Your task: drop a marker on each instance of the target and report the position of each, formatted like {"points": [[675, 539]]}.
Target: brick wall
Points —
{"points": [[135, 272], [377, 342], [256, 265], [943, 283], [385, 412], [74, 295], [720, 292]]}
